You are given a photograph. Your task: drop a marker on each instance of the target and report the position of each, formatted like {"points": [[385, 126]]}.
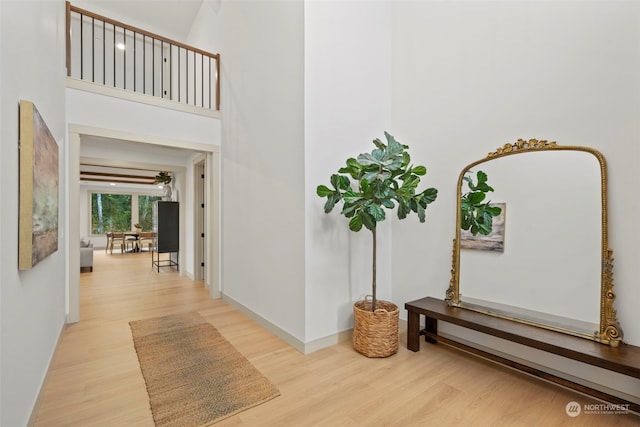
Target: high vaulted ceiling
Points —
{"points": [[172, 18]]}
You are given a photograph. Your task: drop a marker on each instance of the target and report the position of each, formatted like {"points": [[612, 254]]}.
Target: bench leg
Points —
{"points": [[413, 331], [431, 327]]}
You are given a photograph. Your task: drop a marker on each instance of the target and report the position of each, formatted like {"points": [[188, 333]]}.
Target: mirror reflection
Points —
{"points": [[547, 269]]}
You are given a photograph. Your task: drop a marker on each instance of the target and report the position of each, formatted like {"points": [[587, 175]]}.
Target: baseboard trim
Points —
{"points": [[301, 346], [274, 329], [328, 341]]}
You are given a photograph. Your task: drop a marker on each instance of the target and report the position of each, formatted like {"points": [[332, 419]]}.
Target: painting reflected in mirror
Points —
{"points": [[553, 267]]}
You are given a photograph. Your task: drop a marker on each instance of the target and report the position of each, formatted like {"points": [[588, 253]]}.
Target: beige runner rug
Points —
{"points": [[194, 376]]}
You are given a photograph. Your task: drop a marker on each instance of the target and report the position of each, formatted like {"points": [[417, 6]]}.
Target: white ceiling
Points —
{"points": [[105, 170], [181, 155], [169, 18]]}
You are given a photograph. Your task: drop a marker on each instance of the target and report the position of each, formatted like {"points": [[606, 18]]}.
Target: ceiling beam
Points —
{"points": [[117, 175], [116, 181]]}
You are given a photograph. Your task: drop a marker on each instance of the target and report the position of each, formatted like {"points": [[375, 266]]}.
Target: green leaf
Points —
{"points": [[370, 176], [344, 183], [484, 227], [387, 203], [394, 148], [377, 213], [323, 191], [421, 212], [482, 182], [493, 210], [419, 170], [367, 220], [335, 180], [465, 222], [411, 182], [366, 159], [379, 144], [332, 199], [482, 177], [378, 154], [349, 209], [355, 224], [476, 198], [351, 196], [380, 190], [403, 209], [483, 187], [353, 168], [406, 158], [429, 195], [365, 188]]}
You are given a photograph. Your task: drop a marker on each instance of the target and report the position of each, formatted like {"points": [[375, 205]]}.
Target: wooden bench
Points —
{"points": [[624, 359]]}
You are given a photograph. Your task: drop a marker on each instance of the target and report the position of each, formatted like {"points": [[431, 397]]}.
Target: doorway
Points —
{"points": [[210, 241]]}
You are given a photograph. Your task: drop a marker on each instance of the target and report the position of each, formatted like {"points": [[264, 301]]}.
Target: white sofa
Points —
{"points": [[86, 254]]}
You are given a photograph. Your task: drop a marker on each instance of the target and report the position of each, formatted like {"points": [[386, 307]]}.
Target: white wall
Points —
{"points": [[261, 48], [106, 112], [469, 77], [347, 105], [32, 313]]}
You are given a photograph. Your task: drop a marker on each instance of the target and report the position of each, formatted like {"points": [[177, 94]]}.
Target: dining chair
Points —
{"points": [[117, 239], [146, 238]]}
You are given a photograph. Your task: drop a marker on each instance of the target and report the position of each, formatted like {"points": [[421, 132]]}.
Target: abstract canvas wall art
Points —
{"points": [[38, 211]]}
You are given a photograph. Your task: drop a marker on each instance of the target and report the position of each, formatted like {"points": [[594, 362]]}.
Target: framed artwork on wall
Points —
{"points": [[38, 210]]}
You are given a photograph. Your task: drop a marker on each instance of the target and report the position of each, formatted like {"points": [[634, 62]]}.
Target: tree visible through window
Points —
{"points": [[110, 212], [145, 211]]}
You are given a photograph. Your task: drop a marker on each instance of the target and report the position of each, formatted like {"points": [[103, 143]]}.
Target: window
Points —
{"points": [[145, 210], [120, 211]]}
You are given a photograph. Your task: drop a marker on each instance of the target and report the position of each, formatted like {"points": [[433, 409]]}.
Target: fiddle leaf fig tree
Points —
{"points": [[477, 215], [375, 181]]}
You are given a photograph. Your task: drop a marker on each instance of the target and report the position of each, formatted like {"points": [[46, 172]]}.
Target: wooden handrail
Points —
{"points": [[83, 12], [140, 31]]}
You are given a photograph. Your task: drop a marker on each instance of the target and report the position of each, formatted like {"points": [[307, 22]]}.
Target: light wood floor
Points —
{"points": [[95, 379]]}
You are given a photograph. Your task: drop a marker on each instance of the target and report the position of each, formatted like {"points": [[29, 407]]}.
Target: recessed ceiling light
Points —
{"points": [[120, 46]]}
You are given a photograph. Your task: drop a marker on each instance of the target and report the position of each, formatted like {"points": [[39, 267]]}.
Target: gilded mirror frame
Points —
{"points": [[610, 332]]}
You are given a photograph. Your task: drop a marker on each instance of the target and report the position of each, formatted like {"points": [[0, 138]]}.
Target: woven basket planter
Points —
{"points": [[375, 334]]}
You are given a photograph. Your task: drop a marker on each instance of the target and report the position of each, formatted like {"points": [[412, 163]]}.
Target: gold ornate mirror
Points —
{"points": [[547, 260]]}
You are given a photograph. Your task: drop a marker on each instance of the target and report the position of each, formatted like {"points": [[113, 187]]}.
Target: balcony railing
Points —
{"points": [[107, 52]]}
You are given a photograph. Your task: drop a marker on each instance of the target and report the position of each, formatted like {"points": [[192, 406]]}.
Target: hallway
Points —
{"points": [[95, 379]]}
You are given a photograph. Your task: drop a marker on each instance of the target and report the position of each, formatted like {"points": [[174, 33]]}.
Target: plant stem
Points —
{"points": [[373, 280]]}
